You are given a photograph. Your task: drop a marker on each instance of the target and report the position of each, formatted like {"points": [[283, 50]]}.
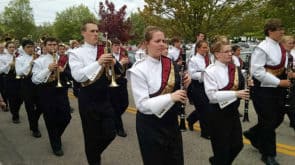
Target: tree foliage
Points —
{"points": [[138, 26], [17, 19], [113, 22], [67, 23], [186, 18]]}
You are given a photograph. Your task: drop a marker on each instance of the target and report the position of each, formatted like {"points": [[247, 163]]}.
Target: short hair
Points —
{"points": [[272, 25], [175, 40], [234, 48], [50, 39], [8, 43], [83, 26], [115, 41], [149, 31], [26, 42]]}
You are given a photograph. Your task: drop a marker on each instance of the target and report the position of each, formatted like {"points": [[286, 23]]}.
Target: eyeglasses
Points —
{"points": [[226, 52]]}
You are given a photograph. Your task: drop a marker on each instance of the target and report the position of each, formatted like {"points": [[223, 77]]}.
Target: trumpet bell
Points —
{"points": [[113, 84], [58, 85]]}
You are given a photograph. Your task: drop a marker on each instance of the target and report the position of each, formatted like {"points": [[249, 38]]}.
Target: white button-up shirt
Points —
{"points": [[215, 78], [146, 78], [83, 63], [267, 53], [173, 53], [40, 69], [22, 64], [5, 60], [196, 67]]}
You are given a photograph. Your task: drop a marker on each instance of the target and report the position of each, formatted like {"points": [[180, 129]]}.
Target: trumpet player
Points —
{"points": [[23, 69], [119, 95], [2, 78], [53, 100], [90, 65], [12, 84]]}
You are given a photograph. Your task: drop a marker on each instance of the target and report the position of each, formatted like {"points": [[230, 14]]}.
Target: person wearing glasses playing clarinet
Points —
{"points": [[155, 84], [224, 87]]}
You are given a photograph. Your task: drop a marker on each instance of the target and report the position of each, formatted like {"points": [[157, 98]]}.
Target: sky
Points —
{"points": [[45, 10]]}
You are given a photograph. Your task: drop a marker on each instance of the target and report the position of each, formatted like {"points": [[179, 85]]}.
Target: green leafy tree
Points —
{"points": [[67, 23], [17, 19], [138, 26], [186, 18]]}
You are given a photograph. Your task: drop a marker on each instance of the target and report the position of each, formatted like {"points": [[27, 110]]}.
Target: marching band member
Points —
{"points": [[2, 78], [175, 51], [12, 84], [23, 69], [53, 100], [268, 63], [119, 95], [140, 53], [223, 83], [155, 84], [196, 67], [89, 67]]}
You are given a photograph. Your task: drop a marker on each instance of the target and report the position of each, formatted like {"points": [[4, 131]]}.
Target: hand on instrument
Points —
{"points": [[61, 69], [250, 82], [186, 80], [285, 83], [52, 67], [243, 94], [124, 60], [179, 95], [106, 59]]}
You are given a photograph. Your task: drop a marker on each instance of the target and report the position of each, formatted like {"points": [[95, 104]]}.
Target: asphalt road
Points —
{"points": [[18, 147]]}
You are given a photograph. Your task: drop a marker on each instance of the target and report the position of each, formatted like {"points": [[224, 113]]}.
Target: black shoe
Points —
{"points": [[269, 160], [240, 115], [211, 160], [58, 152], [190, 125], [251, 138], [207, 137], [15, 121], [36, 134], [122, 133]]}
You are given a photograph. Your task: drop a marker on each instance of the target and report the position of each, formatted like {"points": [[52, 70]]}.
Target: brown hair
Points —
{"points": [[218, 42], [199, 44], [83, 27], [272, 25], [148, 32]]}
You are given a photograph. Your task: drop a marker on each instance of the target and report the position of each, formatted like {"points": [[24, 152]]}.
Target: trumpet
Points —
{"points": [[110, 70], [14, 60], [56, 73]]}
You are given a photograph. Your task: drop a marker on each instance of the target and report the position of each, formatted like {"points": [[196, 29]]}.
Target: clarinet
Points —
{"points": [[182, 114], [247, 76], [289, 90]]}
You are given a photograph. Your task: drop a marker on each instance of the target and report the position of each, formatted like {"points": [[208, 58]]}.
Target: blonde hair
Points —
{"points": [[287, 38], [218, 42]]}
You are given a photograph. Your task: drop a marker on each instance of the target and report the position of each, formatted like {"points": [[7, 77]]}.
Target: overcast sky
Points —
{"points": [[45, 10]]}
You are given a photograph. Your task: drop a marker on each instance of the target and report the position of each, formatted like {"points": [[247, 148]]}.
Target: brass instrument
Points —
{"points": [[34, 55], [14, 60], [56, 73], [110, 70]]}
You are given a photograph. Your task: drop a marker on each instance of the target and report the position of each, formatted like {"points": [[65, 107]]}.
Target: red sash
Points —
{"points": [[100, 51], [231, 76], [241, 62], [63, 59], [207, 60], [282, 63], [166, 68]]}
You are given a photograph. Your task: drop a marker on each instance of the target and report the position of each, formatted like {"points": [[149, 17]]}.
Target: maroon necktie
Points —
{"points": [[207, 61]]}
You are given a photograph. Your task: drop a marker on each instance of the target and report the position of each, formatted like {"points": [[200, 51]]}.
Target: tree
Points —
{"points": [[17, 19], [67, 23], [113, 21], [186, 18], [138, 26]]}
